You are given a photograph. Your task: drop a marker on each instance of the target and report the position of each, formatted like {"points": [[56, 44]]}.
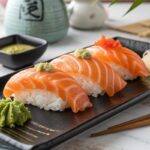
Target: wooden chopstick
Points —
{"points": [[132, 121], [135, 123]]}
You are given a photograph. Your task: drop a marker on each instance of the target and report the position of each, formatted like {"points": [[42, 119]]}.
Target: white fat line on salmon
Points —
{"points": [[56, 87], [29, 73], [20, 85], [97, 48], [20, 76], [120, 82], [134, 63], [138, 60], [37, 77], [59, 60], [85, 104], [69, 88], [125, 60], [24, 74], [43, 76], [9, 89], [141, 66], [105, 75], [90, 48], [88, 66], [66, 79], [43, 84], [141, 73], [133, 55], [76, 62], [103, 50], [16, 76], [116, 56], [113, 80], [77, 98], [60, 74], [98, 69], [60, 80], [32, 83]]}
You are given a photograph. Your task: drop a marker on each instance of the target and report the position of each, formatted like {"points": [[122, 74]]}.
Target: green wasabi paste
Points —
{"points": [[12, 113], [82, 53], [16, 48], [44, 67]]}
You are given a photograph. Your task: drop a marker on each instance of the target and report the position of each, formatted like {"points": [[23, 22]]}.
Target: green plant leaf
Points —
{"points": [[113, 2], [135, 4]]}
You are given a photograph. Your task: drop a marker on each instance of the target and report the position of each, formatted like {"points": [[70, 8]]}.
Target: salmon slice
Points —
{"points": [[98, 72], [56, 82], [119, 57]]}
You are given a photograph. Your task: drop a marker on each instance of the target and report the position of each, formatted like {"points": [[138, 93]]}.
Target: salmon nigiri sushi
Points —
{"points": [[94, 76], [48, 88], [124, 61]]}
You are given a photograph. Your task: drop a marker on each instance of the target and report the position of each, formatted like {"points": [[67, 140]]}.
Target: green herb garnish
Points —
{"points": [[12, 113], [44, 67], [82, 53]]}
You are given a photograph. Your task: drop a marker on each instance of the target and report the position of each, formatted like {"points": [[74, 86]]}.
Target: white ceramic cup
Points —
{"points": [[86, 14]]}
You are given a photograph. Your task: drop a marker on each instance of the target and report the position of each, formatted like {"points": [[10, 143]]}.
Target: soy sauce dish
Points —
{"points": [[17, 51]]}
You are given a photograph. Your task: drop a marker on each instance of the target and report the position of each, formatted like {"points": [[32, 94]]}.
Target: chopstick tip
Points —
{"points": [[94, 135]]}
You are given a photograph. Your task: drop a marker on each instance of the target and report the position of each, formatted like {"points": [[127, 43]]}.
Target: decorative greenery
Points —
{"points": [[82, 53], [44, 67], [135, 4]]}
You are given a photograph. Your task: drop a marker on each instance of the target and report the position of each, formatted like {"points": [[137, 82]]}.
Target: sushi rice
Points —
{"points": [[42, 99], [91, 88], [123, 72]]}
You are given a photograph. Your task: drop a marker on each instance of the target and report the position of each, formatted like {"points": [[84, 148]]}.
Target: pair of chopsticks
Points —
{"points": [[132, 124]]}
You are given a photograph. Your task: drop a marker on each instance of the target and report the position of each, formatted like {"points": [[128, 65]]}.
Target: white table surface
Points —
{"points": [[138, 139]]}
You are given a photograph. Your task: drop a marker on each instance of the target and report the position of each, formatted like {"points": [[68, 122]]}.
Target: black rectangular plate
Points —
{"points": [[67, 124]]}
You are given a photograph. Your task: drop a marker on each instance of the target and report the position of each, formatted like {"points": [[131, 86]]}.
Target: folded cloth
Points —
{"points": [[145, 23], [141, 28]]}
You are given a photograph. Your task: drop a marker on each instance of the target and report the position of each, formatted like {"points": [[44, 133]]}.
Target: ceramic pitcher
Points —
{"points": [[86, 14], [46, 19]]}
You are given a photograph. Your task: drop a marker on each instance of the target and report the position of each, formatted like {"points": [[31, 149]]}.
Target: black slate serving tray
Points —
{"points": [[47, 129]]}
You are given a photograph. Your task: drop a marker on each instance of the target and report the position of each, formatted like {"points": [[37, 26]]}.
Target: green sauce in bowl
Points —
{"points": [[16, 48]]}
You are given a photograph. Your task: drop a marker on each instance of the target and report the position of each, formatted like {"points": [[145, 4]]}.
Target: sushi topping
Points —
{"points": [[146, 59], [109, 43], [82, 53], [13, 113], [44, 67]]}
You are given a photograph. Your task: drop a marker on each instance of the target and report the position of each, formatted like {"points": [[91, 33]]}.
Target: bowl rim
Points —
{"points": [[40, 41]]}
